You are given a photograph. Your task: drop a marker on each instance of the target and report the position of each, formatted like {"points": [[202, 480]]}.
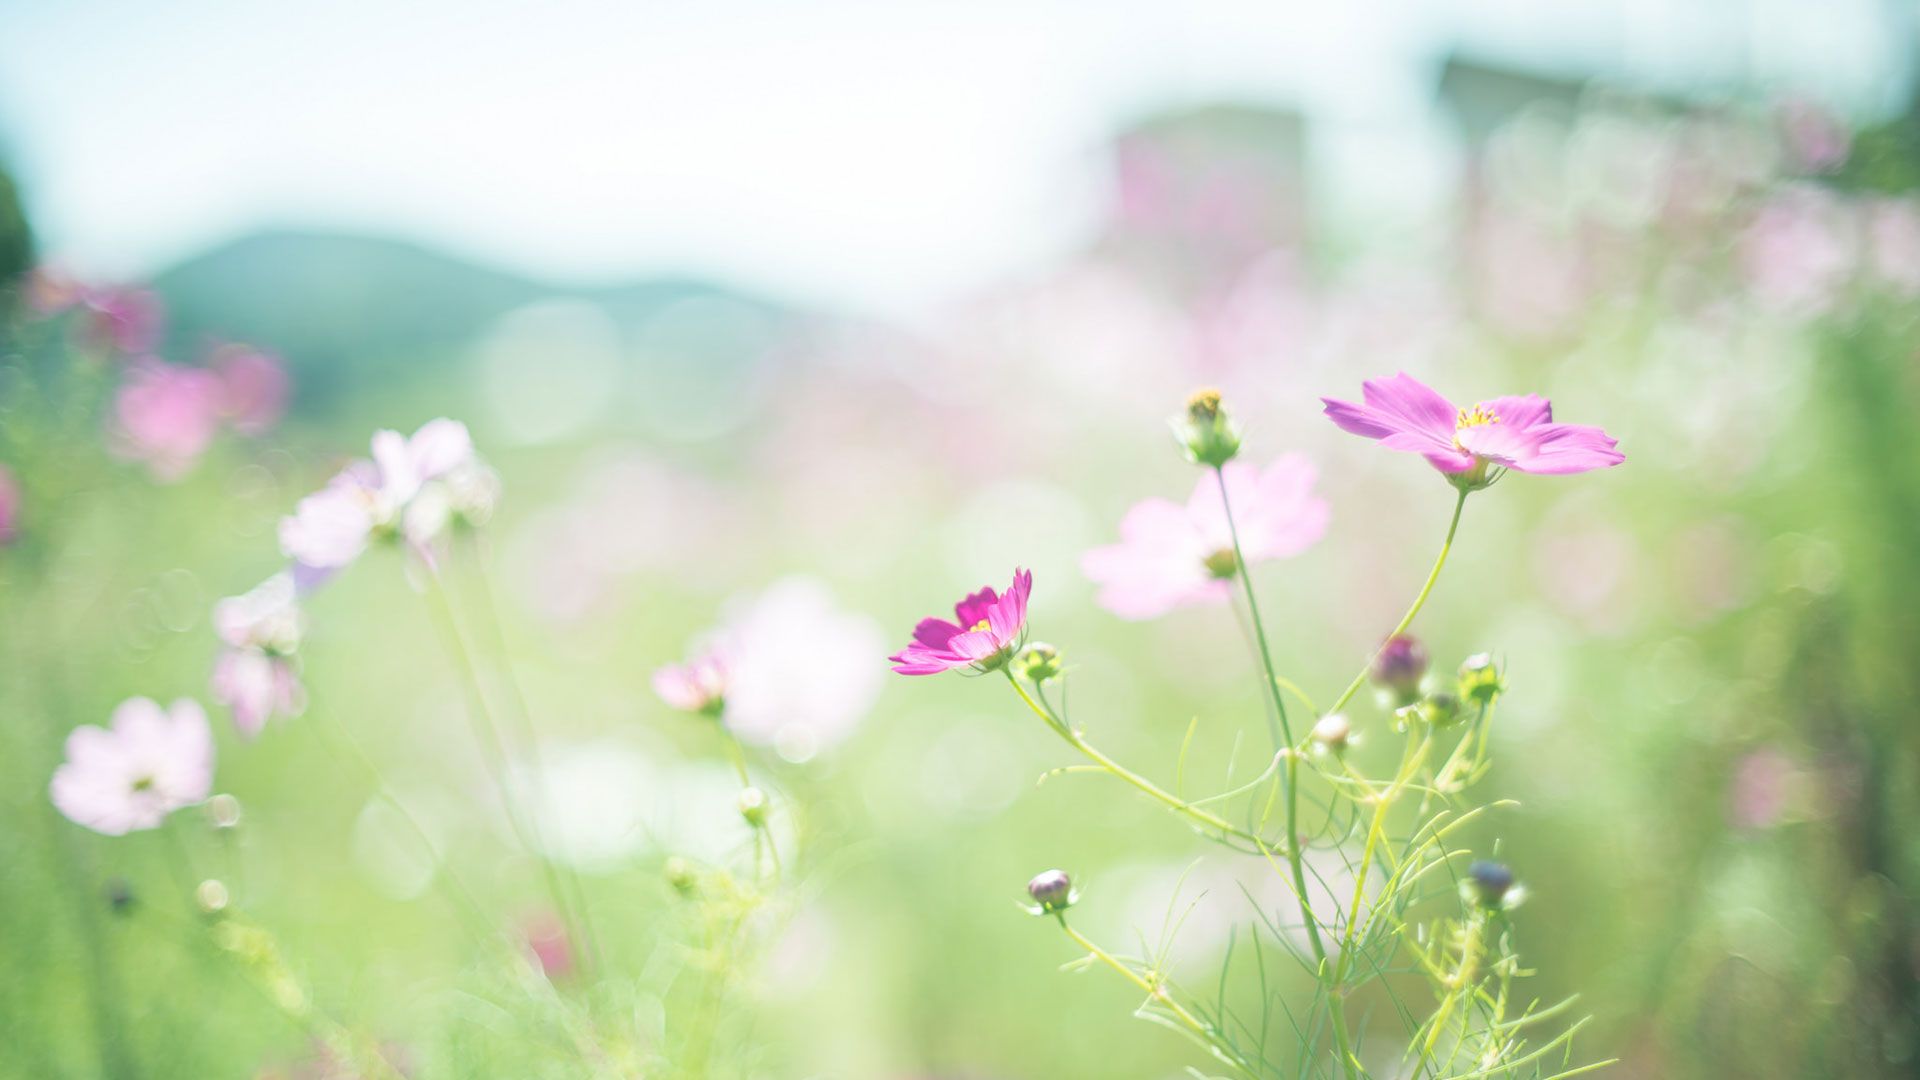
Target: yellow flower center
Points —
{"points": [[983, 624], [1480, 416]]}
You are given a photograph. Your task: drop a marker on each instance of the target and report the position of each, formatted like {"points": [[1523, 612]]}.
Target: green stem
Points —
{"points": [[1418, 603], [494, 750], [1283, 734], [762, 833], [1295, 854], [490, 621], [1148, 787], [1157, 993]]}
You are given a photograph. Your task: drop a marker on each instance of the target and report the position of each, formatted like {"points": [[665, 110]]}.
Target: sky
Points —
{"points": [[869, 154]]}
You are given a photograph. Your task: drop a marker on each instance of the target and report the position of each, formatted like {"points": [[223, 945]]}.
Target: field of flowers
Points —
{"points": [[1504, 666]]}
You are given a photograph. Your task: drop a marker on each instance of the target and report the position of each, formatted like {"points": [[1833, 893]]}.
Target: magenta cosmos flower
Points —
{"points": [[149, 763], [1169, 554], [988, 631], [1504, 432]]}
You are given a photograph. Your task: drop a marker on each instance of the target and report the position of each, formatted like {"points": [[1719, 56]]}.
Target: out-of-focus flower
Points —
{"points": [[800, 673], [1815, 139], [549, 945], [254, 388], [1798, 252], [123, 320], [266, 618], [1764, 786], [166, 415], [129, 776], [256, 675], [1333, 732], [989, 628], [414, 486], [1491, 885], [697, 686], [257, 687], [1505, 432], [50, 291], [330, 528], [1171, 555], [9, 507], [1893, 235]]}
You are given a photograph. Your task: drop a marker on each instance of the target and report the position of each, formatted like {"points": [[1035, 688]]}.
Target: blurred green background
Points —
{"points": [[1713, 650]]}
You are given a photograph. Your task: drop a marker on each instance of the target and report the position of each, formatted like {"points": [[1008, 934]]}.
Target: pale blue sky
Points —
{"points": [[865, 152]]}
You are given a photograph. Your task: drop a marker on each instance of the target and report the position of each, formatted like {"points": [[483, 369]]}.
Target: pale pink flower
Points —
{"points": [[256, 687], [1798, 251], [9, 507], [254, 388], [697, 686], [255, 676], [166, 415], [799, 700], [130, 776], [1170, 555], [413, 486], [121, 319]]}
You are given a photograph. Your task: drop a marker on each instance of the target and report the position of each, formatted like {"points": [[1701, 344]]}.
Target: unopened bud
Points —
{"points": [[1399, 666], [1480, 680], [211, 897], [1038, 662], [118, 892], [1205, 431], [1333, 732], [223, 811], [1490, 884], [753, 806], [1052, 890], [1440, 709], [679, 874]]}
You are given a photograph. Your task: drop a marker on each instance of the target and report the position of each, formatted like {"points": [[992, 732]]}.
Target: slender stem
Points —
{"points": [[762, 833], [1418, 603], [1156, 992], [1283, 734], [1296, 866], [1148, 787], [490, 621], [494, 750]]}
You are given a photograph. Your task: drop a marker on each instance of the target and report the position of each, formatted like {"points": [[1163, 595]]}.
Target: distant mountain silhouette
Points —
{"points": [[351, 313]]}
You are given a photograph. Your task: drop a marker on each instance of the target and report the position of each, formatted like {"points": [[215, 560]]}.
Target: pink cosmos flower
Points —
{"points": [[1504, 432], [256, 676], [697, 686], [124, 320], [989, 629], [166, 415], [149, 763], [254, 388], [799, 701], [1169, 555], [330, 528], [9, 507]]}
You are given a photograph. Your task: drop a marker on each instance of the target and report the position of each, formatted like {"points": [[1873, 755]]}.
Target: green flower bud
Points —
{"points": [[1205, 431], [1480, 681], [223, 811], [211, 897], [1333, 732], [753, 806], [1440, 709], [680, 875], [1038, 662]]}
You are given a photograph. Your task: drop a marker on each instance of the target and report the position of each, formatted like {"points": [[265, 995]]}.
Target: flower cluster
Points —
{"points": [[1171, 555], [413, 488]]}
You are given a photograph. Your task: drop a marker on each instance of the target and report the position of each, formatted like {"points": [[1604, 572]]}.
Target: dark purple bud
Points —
{"points": [[1052, 890], [1491, 881], [119, 895], [1399, 667]]}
